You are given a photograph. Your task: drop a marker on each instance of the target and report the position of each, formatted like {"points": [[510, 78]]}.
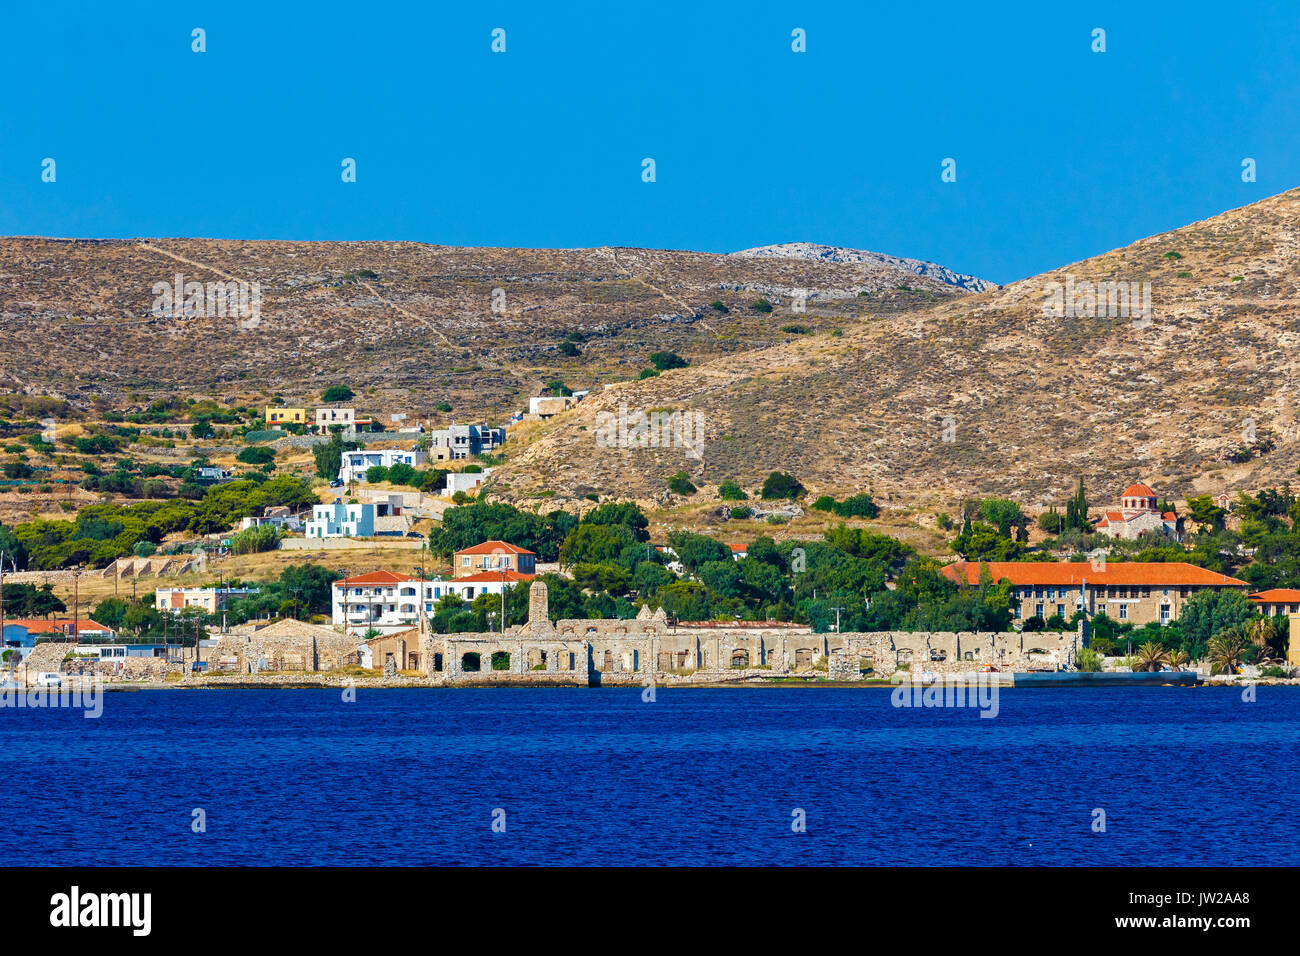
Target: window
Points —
{"points": [[1123, 612], [1038, 610], [1060, 609]]}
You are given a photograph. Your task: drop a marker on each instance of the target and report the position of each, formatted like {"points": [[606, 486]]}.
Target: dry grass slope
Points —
{"points": [[1034, 402]]}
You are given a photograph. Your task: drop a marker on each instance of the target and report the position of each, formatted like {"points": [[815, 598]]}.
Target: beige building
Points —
{"points": [[493, 556], [1138, 592], [327, 418]]}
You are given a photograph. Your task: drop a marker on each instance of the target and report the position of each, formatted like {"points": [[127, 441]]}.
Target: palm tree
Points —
{"points": [[1151, 657], [1260, 631], [1178, 659], [1226, 649]]}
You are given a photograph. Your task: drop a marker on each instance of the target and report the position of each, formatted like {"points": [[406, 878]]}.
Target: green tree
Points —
{"points": [[663, 361], [337, 393], [781, 485], [1210, 611]]}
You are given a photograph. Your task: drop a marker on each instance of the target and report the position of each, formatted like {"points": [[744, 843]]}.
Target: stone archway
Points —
{"points": [[470, 662]]}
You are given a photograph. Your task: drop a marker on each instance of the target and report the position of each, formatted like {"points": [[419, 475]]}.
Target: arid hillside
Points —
{"points": [[407, 325], [986, 392]]}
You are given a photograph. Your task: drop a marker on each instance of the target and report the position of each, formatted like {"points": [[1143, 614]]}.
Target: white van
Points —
{"points": [[49, 679]]}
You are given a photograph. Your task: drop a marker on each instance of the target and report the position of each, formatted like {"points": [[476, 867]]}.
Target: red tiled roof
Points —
{"points": [[376, 577], [1073, 573], [484, 577], [738, 547], [1138, 491], [1277, 596], [1169, 516], [39, 626], [495, 547]]}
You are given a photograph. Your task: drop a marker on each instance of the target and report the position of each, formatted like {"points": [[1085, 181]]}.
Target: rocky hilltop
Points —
{"points": [[838, 254], [995, 392], [413, 325]]}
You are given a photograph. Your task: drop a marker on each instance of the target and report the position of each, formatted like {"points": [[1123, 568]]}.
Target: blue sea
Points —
{"points": [[698, 776]]}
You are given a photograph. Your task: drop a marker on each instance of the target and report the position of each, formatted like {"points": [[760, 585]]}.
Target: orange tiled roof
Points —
{"points": [[484, 577], [1115, 573], [40, 626], [1138, 491], [495, 547], [1277, 596], [738, 547]]}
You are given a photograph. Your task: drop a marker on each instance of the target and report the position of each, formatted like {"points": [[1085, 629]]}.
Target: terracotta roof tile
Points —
{"points": [[495, 547], [1115, 573], [1277, 596]]}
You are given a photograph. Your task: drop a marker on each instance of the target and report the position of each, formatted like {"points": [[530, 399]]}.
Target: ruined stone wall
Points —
{"points": [[284, 648]]}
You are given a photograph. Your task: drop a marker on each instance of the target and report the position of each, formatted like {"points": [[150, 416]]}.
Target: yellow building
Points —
{"points": [[1293, 644], [286, 416]]}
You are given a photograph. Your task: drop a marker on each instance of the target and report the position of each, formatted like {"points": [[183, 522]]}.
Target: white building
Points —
{"points": [[386, 601], [339, 520], [466, 481], [278, 517], [355, 463]]}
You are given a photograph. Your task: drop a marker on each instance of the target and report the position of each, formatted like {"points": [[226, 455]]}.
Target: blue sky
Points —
{"points": [[1061, 153]]}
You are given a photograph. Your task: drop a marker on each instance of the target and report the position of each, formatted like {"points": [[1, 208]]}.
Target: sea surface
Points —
{"points": [[697, 776]]}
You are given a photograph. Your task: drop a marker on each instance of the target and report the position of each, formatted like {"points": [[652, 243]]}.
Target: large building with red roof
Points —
{"points": [[1138, 513], [387, 601], [1140, 592], [1277, 602]]}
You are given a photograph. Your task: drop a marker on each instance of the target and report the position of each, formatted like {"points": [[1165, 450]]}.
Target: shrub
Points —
{"points": [[680, 484], [855, 506], [337, 393], [663, 361], [730, 491], [252, 540], [647, 373], [1088, 660], [739, 512], [570, 349], [781, 485], [762, 305], [719, 307], [256, 455], [796, 329]]}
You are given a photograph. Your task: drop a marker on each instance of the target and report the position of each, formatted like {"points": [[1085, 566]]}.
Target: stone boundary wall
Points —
{"points": [[346, 544]]}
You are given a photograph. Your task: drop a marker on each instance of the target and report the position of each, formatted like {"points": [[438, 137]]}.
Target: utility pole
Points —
{"points": [[837, 618], [76, 581], [2, 595], [502, 568]]}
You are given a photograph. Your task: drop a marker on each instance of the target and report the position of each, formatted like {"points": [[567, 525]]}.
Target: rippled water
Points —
{"points": [[1185, 776]]}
